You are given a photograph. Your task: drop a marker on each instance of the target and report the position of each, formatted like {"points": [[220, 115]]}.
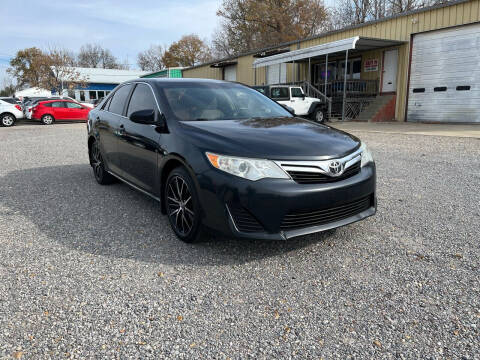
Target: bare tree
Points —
{"points": [[95, 56], [249, 24], [57, 73], [151, 59]]}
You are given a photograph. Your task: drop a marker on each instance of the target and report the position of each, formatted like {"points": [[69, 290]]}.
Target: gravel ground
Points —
{"points": [[95, 272]]}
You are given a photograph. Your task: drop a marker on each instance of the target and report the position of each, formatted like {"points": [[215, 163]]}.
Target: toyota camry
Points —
{"points": [[221, 156]]}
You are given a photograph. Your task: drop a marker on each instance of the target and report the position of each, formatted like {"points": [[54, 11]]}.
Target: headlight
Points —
{"points": [[366, 155], [251, 169]]}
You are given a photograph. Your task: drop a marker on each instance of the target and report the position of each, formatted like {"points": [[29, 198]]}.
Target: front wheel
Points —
{"points": [[183, 207], [8, 120], [47, 119], [318, 115]]}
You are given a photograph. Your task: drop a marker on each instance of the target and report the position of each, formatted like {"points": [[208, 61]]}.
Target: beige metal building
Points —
{"points": [[423, 65]]}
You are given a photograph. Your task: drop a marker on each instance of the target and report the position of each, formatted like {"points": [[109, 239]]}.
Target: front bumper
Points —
{"points": [[283, 209]]}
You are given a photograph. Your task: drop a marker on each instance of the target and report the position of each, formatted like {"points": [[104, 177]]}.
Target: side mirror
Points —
{"points": [[143, 116]]}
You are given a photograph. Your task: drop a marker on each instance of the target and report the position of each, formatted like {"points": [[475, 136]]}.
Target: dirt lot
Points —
{"points": [[90, 271]]}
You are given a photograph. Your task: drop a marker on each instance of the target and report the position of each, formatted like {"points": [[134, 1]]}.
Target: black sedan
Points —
{"points": [[222, 156]]}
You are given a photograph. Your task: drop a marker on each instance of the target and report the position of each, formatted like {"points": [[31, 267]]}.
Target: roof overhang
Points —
{"points": [[356, 43], [223, 64]]}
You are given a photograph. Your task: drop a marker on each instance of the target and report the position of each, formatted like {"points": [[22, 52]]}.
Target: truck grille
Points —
{"points": [[304, 177], [296, 220], [244, 221]]}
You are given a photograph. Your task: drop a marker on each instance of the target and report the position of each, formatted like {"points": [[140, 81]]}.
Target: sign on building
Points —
{"points": [[371, 65]]}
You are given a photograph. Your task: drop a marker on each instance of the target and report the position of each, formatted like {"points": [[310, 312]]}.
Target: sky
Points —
{"points": [[126, 27]]}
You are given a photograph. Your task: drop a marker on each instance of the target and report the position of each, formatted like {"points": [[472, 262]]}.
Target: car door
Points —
{"points": [[59, 110], [74, 111], [138, 143], [298, 101], [108, 126]]}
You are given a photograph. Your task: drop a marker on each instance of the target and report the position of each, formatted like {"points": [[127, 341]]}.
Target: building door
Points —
{"points": [[390, 66], [445, 76], [230, 73]]}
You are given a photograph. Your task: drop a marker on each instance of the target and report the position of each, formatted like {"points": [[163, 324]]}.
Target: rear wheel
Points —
{"points": [[98, 166], [47, 119], [8, 120], [183, 208]]}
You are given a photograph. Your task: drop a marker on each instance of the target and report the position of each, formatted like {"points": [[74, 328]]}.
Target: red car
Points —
{"points": [[51, 110]]}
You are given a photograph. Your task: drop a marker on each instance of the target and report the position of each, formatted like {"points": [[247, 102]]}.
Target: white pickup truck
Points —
{"points": [[294, 97]]}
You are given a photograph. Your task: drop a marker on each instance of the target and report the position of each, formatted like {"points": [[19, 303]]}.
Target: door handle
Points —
{"points": [[121, 130]]}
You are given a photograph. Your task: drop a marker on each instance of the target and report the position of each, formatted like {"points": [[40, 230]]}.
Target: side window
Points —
{"points": [[58, 104], [47, 105], [107, 104], [142, 99], [297, 92], [72, 105], [117, 104], [279, 93]]}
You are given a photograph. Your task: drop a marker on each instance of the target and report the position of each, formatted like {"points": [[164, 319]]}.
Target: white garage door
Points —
{"points": [[231, 73], [445, 76], [276, 74]]}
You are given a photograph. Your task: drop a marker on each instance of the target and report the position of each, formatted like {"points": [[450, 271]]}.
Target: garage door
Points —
{"points": [[276, 74], [445, 76], [231, 73]]}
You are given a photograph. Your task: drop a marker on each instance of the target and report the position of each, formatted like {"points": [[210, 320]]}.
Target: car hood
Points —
{"points": [[272, 138]]}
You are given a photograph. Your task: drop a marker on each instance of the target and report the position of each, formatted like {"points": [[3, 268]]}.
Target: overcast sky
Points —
{"points": [[123, 26]]}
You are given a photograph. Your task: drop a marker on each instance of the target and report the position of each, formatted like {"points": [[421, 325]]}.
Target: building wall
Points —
{"points": [[401, 28]]}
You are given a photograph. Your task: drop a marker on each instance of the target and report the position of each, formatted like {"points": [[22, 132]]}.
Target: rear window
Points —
{"points": [[117, 104], [10, 100]]}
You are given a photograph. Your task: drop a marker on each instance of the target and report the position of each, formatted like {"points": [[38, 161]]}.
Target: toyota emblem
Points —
{"points": [[335, 167]]}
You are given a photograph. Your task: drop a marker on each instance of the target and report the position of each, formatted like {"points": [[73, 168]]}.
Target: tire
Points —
{"points": [[47, 119], [98, 166], [7, 120], [183, 205], [318, 115]]}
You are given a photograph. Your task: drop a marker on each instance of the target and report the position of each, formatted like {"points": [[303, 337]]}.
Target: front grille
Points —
{"points": [[244, 221], [298, 220], [303, 177]]}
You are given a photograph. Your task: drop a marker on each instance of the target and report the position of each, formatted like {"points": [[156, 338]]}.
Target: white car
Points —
{"points": [[294, 98], [9, 113]]}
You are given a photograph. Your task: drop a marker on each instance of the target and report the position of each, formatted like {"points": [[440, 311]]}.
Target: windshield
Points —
{"points": [[218, 101]]}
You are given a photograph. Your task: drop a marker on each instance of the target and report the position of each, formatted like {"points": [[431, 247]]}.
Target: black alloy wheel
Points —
{"points": [[182, 205], [101, 175]]}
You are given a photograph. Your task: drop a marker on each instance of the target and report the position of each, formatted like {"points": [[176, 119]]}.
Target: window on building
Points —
{"points": [[82, 95], [92, 95], [142, 99], [71, 93], [119, 98], [100, 94]]}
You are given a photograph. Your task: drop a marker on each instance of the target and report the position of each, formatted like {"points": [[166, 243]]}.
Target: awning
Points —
{"points": [[356, 43]]}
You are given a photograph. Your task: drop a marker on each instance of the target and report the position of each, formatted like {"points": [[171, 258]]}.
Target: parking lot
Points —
{"points": [[90, 271]]}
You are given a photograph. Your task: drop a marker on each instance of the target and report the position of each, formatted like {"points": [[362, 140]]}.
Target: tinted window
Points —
{"points": [[279, 92], [297, 92], [72, 105], [142, 99], [10, 101], [107, 104], [58, 104], [48, 105], [119, 98]]}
